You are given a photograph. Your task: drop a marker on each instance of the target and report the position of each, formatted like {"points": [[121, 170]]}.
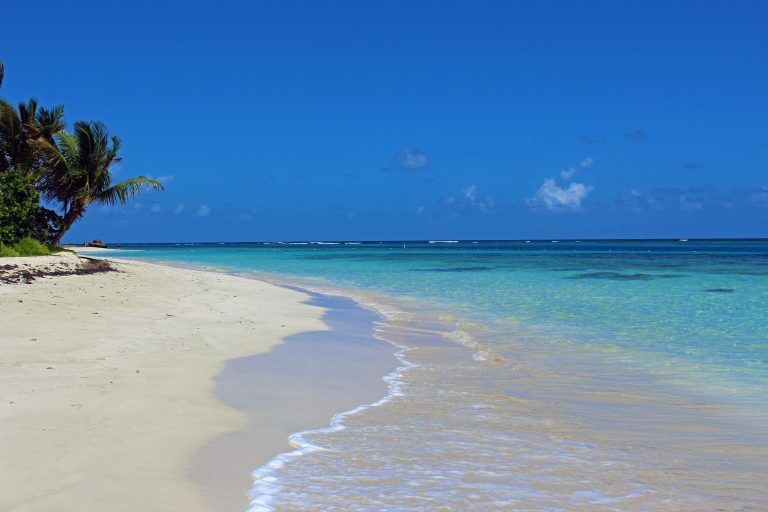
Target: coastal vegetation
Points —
{"points": [[28, 247], [50, 176]]}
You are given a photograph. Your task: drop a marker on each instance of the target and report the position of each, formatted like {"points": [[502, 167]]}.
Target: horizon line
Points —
{"points": [[459, 240]]}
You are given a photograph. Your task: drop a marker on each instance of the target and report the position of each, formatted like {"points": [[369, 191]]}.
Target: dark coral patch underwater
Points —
{"points": [[617, 276], [453, 269]]}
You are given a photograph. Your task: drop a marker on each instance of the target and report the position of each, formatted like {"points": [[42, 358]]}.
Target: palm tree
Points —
{"points": [[2, 72], [77, 172], [20, 162], [19, 126]]}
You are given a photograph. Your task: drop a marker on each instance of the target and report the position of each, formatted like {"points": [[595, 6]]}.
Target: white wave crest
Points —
{"points": [[266, 484]]}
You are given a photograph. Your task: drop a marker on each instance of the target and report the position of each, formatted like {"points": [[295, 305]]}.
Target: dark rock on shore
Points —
{"points": [[96, 243]]}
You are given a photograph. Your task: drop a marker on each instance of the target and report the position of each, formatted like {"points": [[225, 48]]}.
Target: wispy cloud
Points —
{"points": [[689, 166], [470, 193], [758, 196], [138, 209], [637, 135], [412, 159], [468, 199], [689, 199], [570, 172], [689, 205], [588, 139], [471, 198], [165, 178]]}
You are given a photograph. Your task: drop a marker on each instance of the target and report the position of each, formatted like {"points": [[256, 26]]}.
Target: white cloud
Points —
{"points": [[179, 208], [689, 199], [555, 198], [203, 211], [166, 178], [471, 198], [156, 208], [759, 196], [470, 193], [565, 198], [687, 205], [412, 159], [570, 172]]}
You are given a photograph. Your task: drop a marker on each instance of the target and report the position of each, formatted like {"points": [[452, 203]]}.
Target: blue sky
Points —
{"points": [[413, 120]]}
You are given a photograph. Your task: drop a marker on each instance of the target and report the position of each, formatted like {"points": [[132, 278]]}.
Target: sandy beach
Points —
{"points": [[107, 382]]}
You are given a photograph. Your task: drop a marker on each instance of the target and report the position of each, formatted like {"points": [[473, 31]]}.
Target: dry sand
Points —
{"points": [[106, 381]]}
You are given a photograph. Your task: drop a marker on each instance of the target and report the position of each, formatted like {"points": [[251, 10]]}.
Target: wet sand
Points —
{"points": [[298, 385]]}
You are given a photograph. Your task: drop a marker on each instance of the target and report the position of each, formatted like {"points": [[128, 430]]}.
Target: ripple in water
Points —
{"points": [[460, 433]]}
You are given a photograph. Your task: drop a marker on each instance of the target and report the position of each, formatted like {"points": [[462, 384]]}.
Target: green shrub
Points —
{"points": [[20, 212], [19, 202], [7, 252], [30, 247]]}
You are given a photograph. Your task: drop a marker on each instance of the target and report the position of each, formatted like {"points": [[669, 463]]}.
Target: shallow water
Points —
{"points": [[542, 375], [277, 403]]}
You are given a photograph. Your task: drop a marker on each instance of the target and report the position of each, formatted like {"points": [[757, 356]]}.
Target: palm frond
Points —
{"points": [[49, 122], [12, 137], [28, 111], [55, 178], [67, 145], [112, 155], [76, 168], [127, 189]]}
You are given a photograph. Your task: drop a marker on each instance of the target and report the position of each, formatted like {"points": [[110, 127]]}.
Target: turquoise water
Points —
{"points": [[699, 302], [606, 366]]}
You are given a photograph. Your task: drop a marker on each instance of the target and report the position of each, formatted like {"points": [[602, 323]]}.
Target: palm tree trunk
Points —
{"points": [[69, 218]]}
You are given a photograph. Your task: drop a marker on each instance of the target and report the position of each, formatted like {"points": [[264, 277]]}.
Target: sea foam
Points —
{"points": [[266, 482]]}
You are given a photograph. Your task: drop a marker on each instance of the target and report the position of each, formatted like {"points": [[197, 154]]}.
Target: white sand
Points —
{"points": [[106, 381]]}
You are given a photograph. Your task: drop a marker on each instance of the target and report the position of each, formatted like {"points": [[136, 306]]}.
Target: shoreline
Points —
{"points": [[328, 362], [452, 324], [76, 393], [579, 406]]}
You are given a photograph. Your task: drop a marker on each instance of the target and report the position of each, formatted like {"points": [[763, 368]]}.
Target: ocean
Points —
{"points": [[535, 375]]}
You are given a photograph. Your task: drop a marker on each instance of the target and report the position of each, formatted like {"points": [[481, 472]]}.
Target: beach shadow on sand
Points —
{"points": [[298, 385]]}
